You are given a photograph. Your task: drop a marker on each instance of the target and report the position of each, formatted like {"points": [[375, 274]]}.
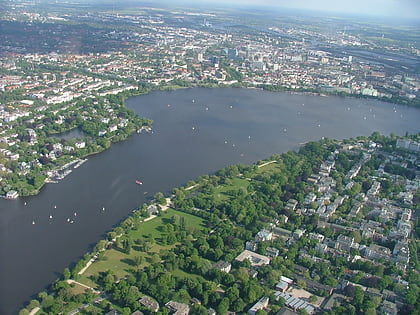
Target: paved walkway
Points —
{"points": [[70, 281], [90, 262], [192, 187], [150, 218], [34, 311], [266, 163]]}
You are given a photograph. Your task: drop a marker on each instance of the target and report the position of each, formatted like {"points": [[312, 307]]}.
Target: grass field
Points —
{"points": [[221, 192], [121, 263], [269, 168]]}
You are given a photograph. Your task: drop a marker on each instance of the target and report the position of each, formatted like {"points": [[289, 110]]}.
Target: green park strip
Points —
{"points": [[248, 233], [223, 192], [151, 231]]}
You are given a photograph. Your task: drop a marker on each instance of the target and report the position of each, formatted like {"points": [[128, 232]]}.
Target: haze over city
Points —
{"points": [[399, 9], [209, 157]]}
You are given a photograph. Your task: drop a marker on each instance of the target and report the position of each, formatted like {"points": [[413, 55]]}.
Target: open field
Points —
{"points": [[117, 260]]}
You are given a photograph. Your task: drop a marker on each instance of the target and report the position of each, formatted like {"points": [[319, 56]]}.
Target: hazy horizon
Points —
{"points": [[398, 9]]}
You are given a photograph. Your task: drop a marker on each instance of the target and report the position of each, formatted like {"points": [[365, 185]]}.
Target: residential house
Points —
{"points": [[388, 308], [113, 128], [149, 303], [261, 304], [282, 286], [12, 194], [80, 144], [316, 236], [272, 252], [251, 245], [282, 232], [345, 243], [334, 299], [298, 233], [291, 204], [264, 235], [178, 308], [374, 292], [223, 266], [252, 273], [295, 303], [315, 286], [254, 258], [376, 252], [401, 251]]}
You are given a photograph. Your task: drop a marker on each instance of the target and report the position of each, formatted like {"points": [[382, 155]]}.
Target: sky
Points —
{"points": [[389, 8]]}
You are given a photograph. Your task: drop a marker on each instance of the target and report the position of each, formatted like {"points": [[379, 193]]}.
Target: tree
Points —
{"points": [[238, 305], [155, 258], [138, 260], [302, 311], [413, 293], [132, 295], [301, 283], [357, 237], [313, 299], [33, 304], [198, 309], [160, 198], [358, 297], [232, 293], [100, 246], [128, 244], [66, 273], [223, 306]]}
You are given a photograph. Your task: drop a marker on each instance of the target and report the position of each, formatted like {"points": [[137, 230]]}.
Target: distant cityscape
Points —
{"points": [[52, 54], [171, 47], [331, 228]]}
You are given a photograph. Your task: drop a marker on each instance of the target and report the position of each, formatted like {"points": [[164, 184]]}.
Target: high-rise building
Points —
{"points": [[232, 53], [215, 61]]}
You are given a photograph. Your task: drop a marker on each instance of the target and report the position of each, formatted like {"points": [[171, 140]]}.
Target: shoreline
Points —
{"points": [[48, 180], [298, 91], [211, 86]]}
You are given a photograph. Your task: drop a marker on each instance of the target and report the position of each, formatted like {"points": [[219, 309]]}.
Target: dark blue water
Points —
{"points": [[201, 131]]}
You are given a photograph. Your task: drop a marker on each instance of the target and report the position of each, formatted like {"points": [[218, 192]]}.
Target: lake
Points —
{"points": [[196, 131]]}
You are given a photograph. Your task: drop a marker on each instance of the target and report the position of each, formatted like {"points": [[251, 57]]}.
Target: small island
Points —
{"points": [[330, 229]]}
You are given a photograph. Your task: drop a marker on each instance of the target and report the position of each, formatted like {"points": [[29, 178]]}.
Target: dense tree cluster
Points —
{"points": [[235, 203]]}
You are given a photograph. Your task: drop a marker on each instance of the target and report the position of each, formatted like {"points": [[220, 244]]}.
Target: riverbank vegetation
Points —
{"points": [[40, 150], [186, 248]]}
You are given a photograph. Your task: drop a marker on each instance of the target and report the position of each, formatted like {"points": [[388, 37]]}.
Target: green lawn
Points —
{"points": [[221, 192], [182, 274], [121, 263], [153, 227], [270, 168]]}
